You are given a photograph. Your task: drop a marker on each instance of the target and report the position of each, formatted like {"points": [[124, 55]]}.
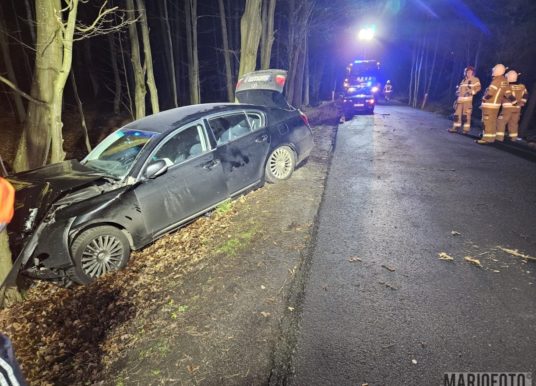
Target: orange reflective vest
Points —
{"points": [[7, 201]]}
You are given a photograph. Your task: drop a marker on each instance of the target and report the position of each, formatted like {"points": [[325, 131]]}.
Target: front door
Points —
{"points": [[193, 182], [243, 145]]}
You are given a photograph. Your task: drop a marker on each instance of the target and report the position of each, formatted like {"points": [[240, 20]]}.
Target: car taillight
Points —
{"points": [[370, 101], [304, 118], [280, 80]]}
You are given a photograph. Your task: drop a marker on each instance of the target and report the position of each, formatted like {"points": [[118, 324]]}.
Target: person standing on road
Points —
{"points": [[468, 87], [491, 102], [511, 111], [387, 90]]}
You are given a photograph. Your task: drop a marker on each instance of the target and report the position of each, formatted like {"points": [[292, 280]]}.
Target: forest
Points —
{"points": [[72, 70]]}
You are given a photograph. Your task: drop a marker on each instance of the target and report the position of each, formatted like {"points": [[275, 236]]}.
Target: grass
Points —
{"points": [[224, 207], [232, 246]]}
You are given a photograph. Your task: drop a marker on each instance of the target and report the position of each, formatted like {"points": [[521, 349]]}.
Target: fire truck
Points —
{"points": [[362, 85]]}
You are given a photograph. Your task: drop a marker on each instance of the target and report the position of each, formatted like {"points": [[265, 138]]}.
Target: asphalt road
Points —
{"points": [[379, 306]]}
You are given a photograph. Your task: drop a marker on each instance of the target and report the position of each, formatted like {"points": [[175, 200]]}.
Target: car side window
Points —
{"points": [[255, 120], [229, 127], [183, 145]]}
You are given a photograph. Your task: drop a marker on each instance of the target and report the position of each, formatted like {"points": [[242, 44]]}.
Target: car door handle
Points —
{"points": [[209, 165], [262, 138]]}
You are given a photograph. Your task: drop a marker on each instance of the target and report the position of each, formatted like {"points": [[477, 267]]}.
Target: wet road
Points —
{"points": [[380, 307]]}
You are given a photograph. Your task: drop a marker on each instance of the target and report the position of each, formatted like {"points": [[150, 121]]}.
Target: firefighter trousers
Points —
{"points": [[489, 123], [509, 117], [462, 114]]}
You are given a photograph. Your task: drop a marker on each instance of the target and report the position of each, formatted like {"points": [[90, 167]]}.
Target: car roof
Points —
{"points": [[170, 119]]}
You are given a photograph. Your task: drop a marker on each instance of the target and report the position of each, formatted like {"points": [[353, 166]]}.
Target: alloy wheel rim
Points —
{"points": [[101, 255], [280, 163]]}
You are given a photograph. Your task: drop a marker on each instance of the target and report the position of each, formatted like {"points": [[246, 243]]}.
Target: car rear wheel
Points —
{"points": [[98, 251], [280, 165]]}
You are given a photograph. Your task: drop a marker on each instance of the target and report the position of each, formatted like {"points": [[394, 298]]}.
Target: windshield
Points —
{"points": [[364, 69], [117, 153]]}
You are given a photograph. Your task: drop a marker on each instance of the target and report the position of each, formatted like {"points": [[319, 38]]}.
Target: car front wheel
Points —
{"points": [[280, 165], [98, 251]]}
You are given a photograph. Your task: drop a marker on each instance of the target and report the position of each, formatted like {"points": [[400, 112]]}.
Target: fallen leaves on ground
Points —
{"points": [[445, 256], [390, 269], [473, 261], [515, 252], [353, 259], [455, 233]]}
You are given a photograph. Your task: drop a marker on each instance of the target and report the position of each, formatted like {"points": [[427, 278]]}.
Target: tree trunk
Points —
{"points": [[151, 83], [135, 58], [306, 75], [4, 46], [226, 53], [250, 35], [117, 77], [11, 294], [267, 32], [191, 43], [169, 53], [93, 79], [37, 132], [81, 112]]}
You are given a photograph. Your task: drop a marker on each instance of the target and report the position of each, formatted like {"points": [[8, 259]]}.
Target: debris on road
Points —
{"points": [[353, 259], [473, 261], [445, 256], [414, 361], [388, 268], [455, 233], [388, 285], [515, 252], [265, 314]]}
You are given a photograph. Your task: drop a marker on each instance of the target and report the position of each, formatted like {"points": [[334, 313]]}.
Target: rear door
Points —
{"points": [[193, 182], [243, 145]]}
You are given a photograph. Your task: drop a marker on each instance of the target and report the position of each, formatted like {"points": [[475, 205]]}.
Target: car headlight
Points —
{"points": [[374, 89], [352, 89]]}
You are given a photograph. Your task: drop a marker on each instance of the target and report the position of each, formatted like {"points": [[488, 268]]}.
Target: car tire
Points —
{"points": [[97, 251], [280, 164]]}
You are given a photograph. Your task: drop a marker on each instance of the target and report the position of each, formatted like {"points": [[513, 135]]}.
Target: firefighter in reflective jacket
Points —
{"points": [[7, 198], [468, 87], [387, 90], [511, 111], [491, 102]]}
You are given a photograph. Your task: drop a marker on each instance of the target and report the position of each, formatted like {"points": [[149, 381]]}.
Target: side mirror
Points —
{"points": [[155, 169]]}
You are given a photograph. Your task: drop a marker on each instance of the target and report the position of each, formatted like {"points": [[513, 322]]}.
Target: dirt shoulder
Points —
{"points": [[208, 304]]}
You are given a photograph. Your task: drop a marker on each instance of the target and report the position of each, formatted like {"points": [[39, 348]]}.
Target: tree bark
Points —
{"points": [[8, 295], [37, 133], [169, 53], [151, 83], [117, 77], [250, 35], [191, 47], [135, 58], [81, 112], [4, 46], [226, 53], [267, 40]]}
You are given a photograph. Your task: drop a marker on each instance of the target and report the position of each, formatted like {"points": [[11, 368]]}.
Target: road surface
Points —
{"points": [[379, 306]]}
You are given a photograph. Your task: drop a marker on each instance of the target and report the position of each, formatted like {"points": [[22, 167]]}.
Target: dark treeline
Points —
{"points": [[136, 57]]}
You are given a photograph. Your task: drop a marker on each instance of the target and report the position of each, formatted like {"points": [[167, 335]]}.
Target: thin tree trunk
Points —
{"points": [[86, 45], [151, 83], [169, 53], [127, 78], [11, 294], [81, 111], [36, 138], [250, 35], [139, 73], [117, 77], [29, 20], [306, 74], [19, 37], [4, 46], [226, 53], [268, 33], [191, 43]]}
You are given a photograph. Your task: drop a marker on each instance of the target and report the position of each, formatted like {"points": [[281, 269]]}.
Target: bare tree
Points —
{"points": [[267, 37], [250, 35], [169, 51], [226, 52], [148, 62], [135, 59], [191, 48]]}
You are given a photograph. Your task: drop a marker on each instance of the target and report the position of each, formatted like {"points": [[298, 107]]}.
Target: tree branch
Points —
{"points": [[27, 96]]}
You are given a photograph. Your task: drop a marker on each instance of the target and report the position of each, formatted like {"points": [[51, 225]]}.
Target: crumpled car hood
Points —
{"points": [[38, 189]]}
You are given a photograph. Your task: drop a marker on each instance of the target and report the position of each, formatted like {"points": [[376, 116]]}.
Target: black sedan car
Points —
{"points": [[358, 99], [75, 221]]}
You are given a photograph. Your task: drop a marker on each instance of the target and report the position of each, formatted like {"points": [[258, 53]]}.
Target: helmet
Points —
{"points": [[512, 76], [469, 68], [389, 82], [498, 70]]}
